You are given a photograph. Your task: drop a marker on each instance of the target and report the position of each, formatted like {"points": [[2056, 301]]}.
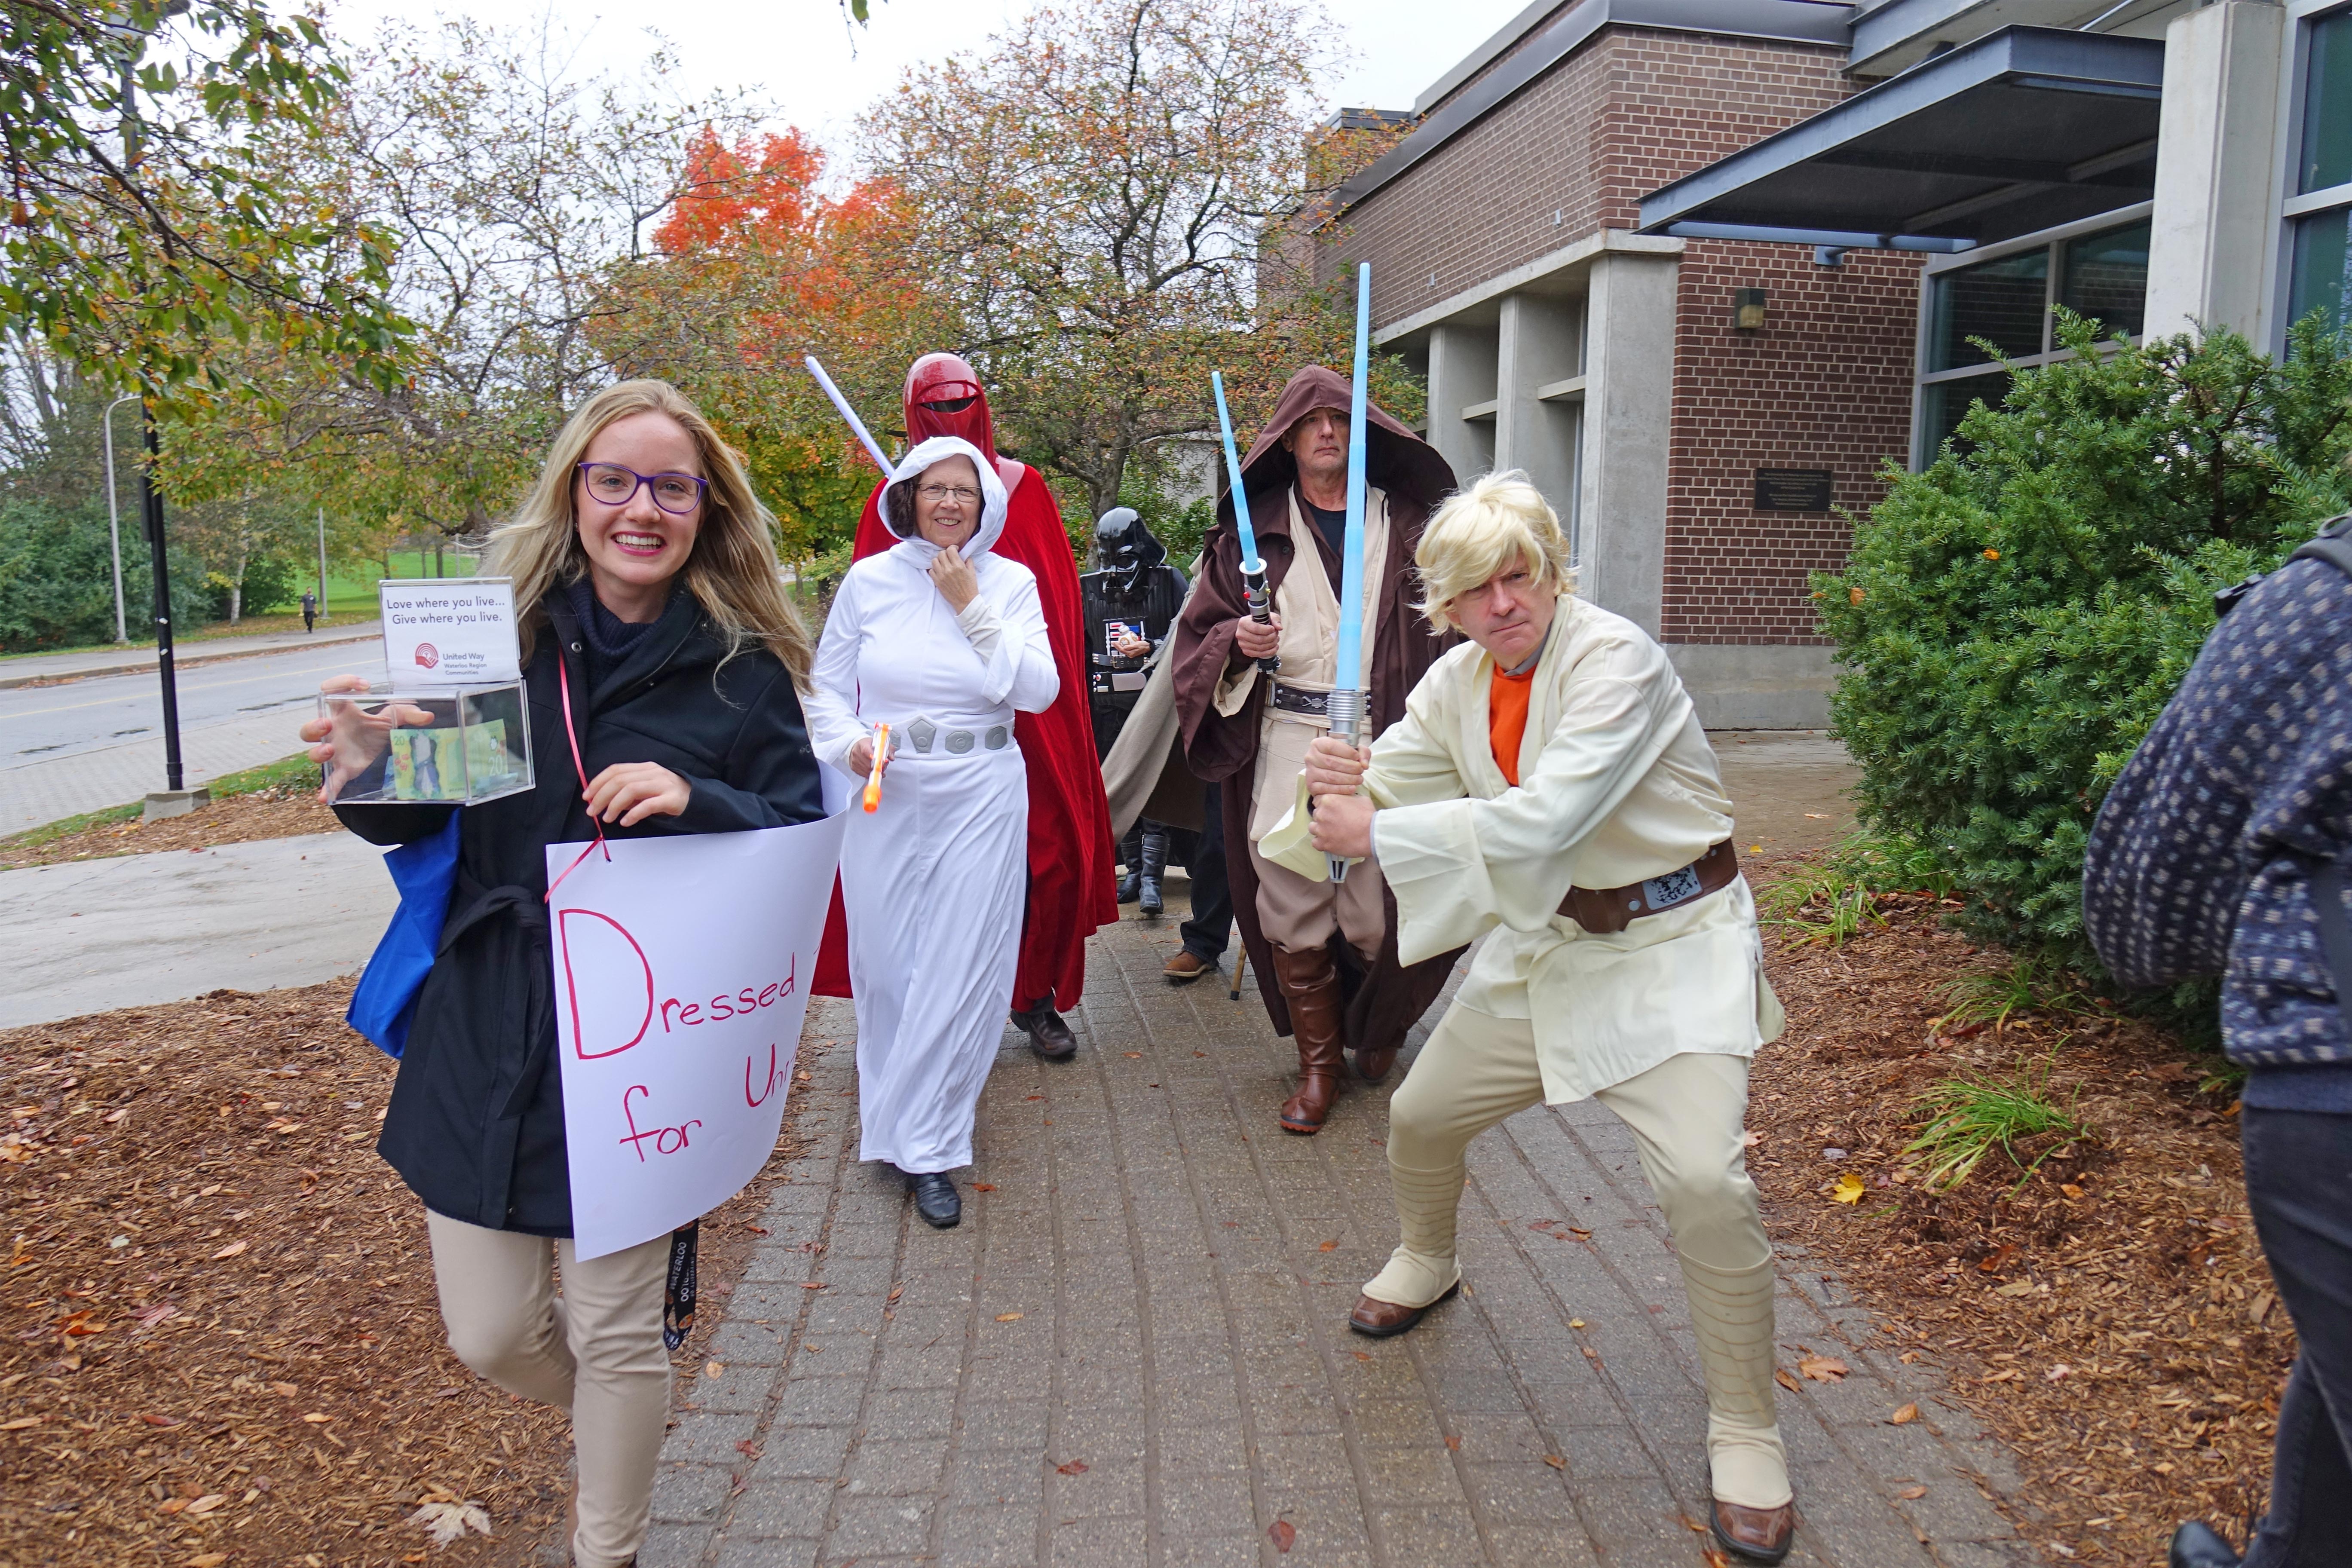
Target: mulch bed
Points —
{"points": [[2109, 1315], [222, 1341], [282, 811]]}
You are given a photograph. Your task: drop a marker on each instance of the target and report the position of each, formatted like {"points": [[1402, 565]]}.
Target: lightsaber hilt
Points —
{"points": [[1346, 710], [1260, 600]]}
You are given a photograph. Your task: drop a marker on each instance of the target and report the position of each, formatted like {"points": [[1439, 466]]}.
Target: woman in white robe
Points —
{"points": [[942, 640]]}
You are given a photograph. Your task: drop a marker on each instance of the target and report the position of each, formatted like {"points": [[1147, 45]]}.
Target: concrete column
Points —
{"points": [[1538, 346], [1629, 366], [1461, 373], [2212, 248]]}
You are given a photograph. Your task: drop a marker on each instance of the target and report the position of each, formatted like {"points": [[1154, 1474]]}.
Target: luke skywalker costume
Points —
{"points": [[1591, 848]]}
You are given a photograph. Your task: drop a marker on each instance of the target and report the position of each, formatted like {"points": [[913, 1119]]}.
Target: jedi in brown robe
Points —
{"points": [[1343, 986]]}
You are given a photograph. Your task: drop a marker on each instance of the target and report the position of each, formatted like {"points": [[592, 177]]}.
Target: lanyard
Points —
{"points": [[563, 680]]}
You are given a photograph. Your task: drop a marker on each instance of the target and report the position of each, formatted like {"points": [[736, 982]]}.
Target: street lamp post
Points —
{"points": [[114, 516]]}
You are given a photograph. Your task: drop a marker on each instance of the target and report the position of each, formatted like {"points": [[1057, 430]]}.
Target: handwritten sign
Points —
{"points": [[682, 968], [449, 631]]}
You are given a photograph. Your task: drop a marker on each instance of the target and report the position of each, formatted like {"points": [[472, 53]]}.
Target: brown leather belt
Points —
{"points": [[1610, 910]]}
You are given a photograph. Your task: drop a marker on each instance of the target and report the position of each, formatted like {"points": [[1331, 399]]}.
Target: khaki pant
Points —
{"points": [[1686, 1115], [596, 1352], [1299, 916]]}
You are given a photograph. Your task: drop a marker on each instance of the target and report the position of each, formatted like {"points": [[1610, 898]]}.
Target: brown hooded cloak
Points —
{"points": [[1384, 1002]]}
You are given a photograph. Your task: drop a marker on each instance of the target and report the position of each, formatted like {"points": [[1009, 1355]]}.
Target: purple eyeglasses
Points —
{"points": [[618, 484]]}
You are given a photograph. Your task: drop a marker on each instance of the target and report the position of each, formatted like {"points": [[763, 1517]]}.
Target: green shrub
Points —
{"points": [[270, 584], [57, 579], [2012, 619]]}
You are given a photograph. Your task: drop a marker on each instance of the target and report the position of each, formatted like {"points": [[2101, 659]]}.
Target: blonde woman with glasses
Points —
{"points": [[943, 640], [646, 581]]}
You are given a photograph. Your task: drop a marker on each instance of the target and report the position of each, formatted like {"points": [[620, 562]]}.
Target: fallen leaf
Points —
{"points": [[983, 1187], [896, 1291], [1576, 1322], [231, 1250], [812, 1284], [1556, 1461], [1135, 1056], [1454, 1443], [1904, 1416], [1849, 1189], [1781, 1375], [1008, 1317], [448, 1521], [713, 1368], [158, 1420], [1912, 1494], [1363, 1355], [1327, 1246], [1822, 1368], [747, 1448], [1998, 1258], [2070, 1189], [1713, 1555], [1282, 1534], [1075, 1467]]}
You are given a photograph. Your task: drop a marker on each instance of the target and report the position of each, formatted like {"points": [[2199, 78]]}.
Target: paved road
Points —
{"points": [[140, 928], [92, 743], [23, 668], [1132, 1352]]}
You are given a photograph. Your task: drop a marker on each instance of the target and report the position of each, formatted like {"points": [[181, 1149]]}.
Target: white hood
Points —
{"points": [[992, 494]]}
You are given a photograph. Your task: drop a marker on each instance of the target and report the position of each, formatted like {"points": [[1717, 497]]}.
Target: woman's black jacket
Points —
{"points": [[476, 1124]]}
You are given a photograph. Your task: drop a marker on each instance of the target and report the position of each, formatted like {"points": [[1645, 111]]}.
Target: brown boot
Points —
{"points": [[1310, 985]]}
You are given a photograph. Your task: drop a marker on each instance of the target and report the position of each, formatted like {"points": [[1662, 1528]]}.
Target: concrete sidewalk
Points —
{"points": [[1132, 1350], [139, 929], [33, 668]]}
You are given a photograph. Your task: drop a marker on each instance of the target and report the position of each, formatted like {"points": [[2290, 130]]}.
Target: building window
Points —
{"points": [[2319, 213], [2006, 300]]}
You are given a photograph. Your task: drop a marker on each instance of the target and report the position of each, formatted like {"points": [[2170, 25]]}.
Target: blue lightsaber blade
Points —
{"points": [[1254, 589], [1346, 702], [873, 448]]}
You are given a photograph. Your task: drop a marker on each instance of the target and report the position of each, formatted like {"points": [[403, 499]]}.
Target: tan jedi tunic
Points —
{"points": [[1617, 783], [1307, 603]]}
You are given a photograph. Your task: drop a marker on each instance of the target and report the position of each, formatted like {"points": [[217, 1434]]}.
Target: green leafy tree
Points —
{"points": [[2012, 620], [146, 225]]}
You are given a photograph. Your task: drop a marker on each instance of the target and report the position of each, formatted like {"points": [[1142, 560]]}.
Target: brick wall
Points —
{"points": [[1826, 384], [1573, 152]]}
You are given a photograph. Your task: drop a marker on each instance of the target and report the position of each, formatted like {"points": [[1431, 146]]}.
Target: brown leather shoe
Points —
{"points": [[1048, 1036], [1310, 984], [1372, 1062], [1188, 965], [1757, 1534], [1385, 1320]]}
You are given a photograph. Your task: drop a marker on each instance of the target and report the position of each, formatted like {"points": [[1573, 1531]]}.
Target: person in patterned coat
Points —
{"points": [[2222, 849]]}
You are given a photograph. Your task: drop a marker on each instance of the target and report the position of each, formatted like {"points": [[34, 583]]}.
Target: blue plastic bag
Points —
{"points": [[384, 1003]]}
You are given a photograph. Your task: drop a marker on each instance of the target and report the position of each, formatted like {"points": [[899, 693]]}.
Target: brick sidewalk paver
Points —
{"points": [[1133, 1350]]}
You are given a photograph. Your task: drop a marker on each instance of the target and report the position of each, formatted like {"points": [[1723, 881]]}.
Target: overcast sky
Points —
{"points": [[797, 54]]}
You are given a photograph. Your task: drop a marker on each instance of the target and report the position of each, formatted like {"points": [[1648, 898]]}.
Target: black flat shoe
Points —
{"points": [[936, 1200], [2194, 1545], [1049, 1037]]}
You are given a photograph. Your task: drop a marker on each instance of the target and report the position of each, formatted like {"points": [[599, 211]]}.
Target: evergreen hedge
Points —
{"points": [[2013, 619]]}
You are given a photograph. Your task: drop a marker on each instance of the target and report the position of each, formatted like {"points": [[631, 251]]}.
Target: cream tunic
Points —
{"points": [[1617, 784], [1307, 603]]}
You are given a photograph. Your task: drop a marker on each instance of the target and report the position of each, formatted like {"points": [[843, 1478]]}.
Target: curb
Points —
{"points": [[181, 661]]}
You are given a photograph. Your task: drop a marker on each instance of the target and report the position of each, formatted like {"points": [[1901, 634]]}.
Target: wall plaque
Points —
{"points": [[1792, 490]]}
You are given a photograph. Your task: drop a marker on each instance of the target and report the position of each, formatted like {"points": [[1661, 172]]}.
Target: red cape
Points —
{"points": [[1070, 849]]}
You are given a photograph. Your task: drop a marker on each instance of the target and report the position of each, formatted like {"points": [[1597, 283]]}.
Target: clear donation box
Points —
{"points": [[456, 745]]}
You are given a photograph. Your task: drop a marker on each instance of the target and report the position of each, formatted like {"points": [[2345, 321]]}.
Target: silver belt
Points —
{"points": [[923, 736]]}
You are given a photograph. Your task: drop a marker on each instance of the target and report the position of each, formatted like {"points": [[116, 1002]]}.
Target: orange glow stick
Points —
{"points": [[874, 779]]}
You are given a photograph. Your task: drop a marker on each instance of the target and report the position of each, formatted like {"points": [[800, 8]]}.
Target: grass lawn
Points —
{"points": [[296, 774]]}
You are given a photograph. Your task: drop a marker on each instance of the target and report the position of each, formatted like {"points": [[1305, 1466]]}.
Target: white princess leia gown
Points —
{"points": [[934, 882]]}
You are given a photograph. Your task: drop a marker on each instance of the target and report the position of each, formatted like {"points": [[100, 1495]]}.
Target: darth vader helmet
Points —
{"points": [[1126, 548]]}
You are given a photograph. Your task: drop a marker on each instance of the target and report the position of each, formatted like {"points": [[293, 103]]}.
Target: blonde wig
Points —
{"points": [[732, 571], [1501, 519]]}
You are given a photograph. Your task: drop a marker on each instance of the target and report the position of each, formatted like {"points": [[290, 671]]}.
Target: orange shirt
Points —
{"points": [[1507, 718]]}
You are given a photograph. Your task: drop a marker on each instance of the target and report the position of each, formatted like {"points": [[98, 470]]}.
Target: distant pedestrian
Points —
{"points": [[2222, 849], [654, 623], [310, 611]]}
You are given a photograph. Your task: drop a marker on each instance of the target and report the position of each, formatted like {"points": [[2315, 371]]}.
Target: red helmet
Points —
{"points": [[944, 398]]}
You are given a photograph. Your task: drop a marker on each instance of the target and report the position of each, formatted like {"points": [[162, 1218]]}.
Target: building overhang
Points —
{"points": [[2020, 130]]}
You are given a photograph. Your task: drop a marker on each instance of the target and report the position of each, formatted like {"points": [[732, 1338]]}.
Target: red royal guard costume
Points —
{"points": [[1070, 883]]}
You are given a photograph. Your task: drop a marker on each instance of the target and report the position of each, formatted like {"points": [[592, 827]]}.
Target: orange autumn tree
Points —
{"points": [[754, 267]]}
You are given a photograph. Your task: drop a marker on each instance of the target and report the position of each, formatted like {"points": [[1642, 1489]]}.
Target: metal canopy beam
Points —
{"points": [[2020, 131]]}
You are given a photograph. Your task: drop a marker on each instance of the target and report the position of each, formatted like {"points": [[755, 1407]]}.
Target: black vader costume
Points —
{"points": [[1133, 598]]}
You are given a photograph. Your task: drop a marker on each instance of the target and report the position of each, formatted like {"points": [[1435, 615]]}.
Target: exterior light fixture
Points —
{"points": [[1747, 310]]}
